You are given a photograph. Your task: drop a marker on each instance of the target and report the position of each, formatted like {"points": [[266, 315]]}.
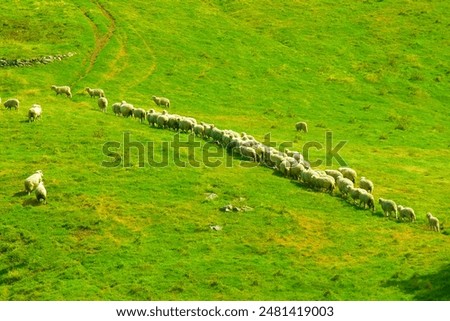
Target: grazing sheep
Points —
{"points": [[296, 171], [307, 176], [10, 103], [344, 184], [326, 183], [186, 125], [388, 207], [41, 193], [116, 109], [365, 198], [349, 173], [199, 130], [161, 101], [139, 113], [34, 112], [284, 167], [33, 181], [301, 126], [355, 193], [95, 92], [248, 152], [152, 115], [433, 222], [406, 212], [126, 109], [366, 184], [103, 103], [162, 121], [62, 90], [333, 173]]}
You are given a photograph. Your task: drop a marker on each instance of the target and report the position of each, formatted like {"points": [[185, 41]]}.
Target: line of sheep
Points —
{"points": [[289, 164]]}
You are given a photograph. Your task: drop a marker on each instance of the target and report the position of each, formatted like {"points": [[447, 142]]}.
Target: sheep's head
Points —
{"points": [[429, 215]]}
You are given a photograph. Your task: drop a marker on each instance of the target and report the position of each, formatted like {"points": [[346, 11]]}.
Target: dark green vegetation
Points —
{"points": [[375, 73]]}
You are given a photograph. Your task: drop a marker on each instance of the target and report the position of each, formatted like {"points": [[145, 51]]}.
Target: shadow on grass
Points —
{"points": [[428, 287], [31, 202], [20, 194]]}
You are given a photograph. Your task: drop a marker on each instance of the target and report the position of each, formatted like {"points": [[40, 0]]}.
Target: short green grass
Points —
{"points": [[374, 73]]}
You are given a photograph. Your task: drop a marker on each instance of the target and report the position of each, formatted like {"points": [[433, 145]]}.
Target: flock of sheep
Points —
{"points": [[290, 164]]}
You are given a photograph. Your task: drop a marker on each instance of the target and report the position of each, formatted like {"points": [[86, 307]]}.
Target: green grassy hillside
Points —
{"points": [[374, 73]]}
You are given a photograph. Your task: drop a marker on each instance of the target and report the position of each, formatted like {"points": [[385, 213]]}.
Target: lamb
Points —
{"points": [[34, 113], [41, 193], [139, 113], [433, 222], [62, 90], [33, 181], [126, 109], [366, 184], [10, 103], [365, 198], [349, 173], [97, 92], [406, 212], [388, 207], [116, 109], [161, 101], [102, 103], [301, 126]]}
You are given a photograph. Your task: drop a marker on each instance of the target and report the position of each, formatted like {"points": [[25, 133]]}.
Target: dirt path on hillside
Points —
{"points": [[101, 40]]}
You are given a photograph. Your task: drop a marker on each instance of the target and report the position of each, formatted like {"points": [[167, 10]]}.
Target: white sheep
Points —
{"points": [[301, 126], [333, 173], [62, 90], [95, 92], [326, 183], [162, 120], [406, 212], [344, 184], [126, 109], [33, 181], [365, 198], [388, 207], [349, 173], [34, 112], [152, 115], [284, 167], [186, 125], [248, 152], [199, 130], [355, 193], [161, 101], [10, 103], [103, 103], [366, 184], [139, 113], [116, 109], [41, 193], [433, 222], [296, 171]]}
